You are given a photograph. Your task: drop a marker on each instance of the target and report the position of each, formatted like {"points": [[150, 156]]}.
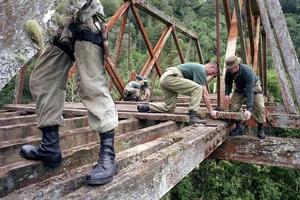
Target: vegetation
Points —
{"points": [[35, 32], [212, 180]]}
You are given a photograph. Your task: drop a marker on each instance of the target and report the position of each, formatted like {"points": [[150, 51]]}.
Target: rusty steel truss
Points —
{"points": [[253, 32], [253, 47]]}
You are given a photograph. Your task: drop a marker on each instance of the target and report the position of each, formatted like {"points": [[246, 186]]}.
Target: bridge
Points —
{"points": [[157, 150]]}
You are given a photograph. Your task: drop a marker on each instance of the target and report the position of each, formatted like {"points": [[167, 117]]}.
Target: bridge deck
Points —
{"points": [[155, 152]]}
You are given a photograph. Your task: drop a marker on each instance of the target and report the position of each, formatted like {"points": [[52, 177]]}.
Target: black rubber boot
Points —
{"points": [[107, 166], [238, 130], [143, 108], [48, 151], [260, 132], [194, 119]]}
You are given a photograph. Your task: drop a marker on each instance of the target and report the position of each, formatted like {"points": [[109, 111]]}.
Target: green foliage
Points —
{"points": [[110, 7], [285, 133], [7, 93], [273, 85], [35, 32], [289, 6], [229, 180]]}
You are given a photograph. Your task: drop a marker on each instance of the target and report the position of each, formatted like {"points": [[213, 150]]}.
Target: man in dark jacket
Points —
{"points": [[247, 86]]}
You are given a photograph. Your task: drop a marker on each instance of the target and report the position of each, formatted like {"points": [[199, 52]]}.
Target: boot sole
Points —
{"points": [[50, 165], [102, 181], [188, 124]]}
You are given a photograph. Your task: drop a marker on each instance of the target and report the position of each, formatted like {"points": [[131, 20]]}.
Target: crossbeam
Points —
{"points": [[283, 152]]}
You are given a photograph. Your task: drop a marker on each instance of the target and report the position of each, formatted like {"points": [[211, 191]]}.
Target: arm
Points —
{"points": [[228, 87], [147, 93], [206, 100], [210, 78]]}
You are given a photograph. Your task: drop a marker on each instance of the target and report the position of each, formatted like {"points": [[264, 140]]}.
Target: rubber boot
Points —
{"points": [[143, 108], [260, 132], [194, 119], [107, 166], [48, 151], [238, 130]]}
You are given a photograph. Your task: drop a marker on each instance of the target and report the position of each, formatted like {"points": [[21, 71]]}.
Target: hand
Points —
{"points": [[248, 114], [213, 114], [147, 93], [227, 99]]}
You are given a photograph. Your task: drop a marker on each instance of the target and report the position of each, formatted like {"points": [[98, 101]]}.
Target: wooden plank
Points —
{"points": [[18, 120], [79, 147], [155, 175], [73, 179], [282, 152], [156, 116]]}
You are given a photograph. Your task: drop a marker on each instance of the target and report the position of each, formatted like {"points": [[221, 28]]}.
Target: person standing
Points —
{"points": [[247, 86], [48, 87], [187, 79]]}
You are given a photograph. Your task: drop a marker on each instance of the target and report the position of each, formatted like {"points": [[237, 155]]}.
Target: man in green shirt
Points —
{"points": [[247, 86], [134, 89], [187, 79]]}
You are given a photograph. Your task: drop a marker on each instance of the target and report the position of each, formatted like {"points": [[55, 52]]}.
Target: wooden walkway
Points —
{"points": [[155, 152]]}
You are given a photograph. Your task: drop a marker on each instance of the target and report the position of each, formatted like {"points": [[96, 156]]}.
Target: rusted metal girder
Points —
{"points": [[119, 43], [120, 38], [231, 49], [117, 15], [156, 51], [112, 71], [286, 47], [218, 51], [250, 27], [181, 56], [263, 61], [282, 152], [238, 5], [227, 14], [256, 48], [199, 52], [145, 36], [284, 87], [19, 91]]}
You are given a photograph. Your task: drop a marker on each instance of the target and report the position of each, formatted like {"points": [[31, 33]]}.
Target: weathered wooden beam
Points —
{"points": [[275, 114], [18, 120], [79, 147], [156, 116], [286, 46], [281, 152], [284, 87], [154, 175]]}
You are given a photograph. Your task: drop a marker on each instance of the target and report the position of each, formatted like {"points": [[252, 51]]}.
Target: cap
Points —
{"points": [[232, 61]]}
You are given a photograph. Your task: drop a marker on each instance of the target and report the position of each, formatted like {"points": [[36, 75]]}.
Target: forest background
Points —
{"points": [[212, 179]]}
